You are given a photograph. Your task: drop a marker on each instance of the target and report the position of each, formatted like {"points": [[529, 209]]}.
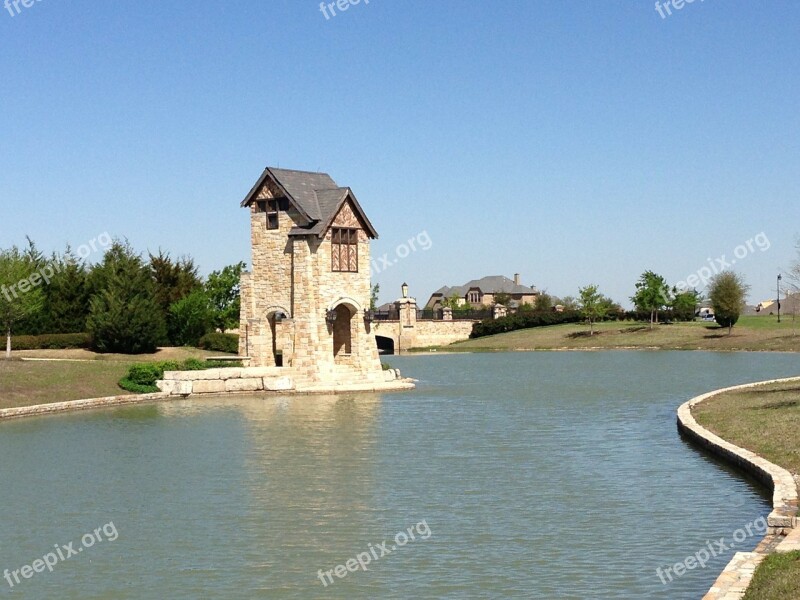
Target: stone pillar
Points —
{"points": [[447, 314], [407, 310], [245, 313], [499, 311]]}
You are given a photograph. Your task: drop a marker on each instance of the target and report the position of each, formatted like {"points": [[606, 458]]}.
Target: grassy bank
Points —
{"points": [[765, 420], [73, 374], [751, 333], [777, 578]]}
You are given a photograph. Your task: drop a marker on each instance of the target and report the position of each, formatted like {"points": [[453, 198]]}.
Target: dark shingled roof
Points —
{"points": [[316, 196], [488, 285]]}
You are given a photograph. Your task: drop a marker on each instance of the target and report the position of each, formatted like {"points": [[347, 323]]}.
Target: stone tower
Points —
{"points": [[305, 304]]}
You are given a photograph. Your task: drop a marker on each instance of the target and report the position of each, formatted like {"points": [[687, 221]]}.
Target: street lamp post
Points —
{"points": [[779, 298]]}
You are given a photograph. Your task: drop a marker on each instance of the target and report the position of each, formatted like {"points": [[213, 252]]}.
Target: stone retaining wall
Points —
{"points": [[441, 333], [274, 379], [738, 574], [58, 407]]}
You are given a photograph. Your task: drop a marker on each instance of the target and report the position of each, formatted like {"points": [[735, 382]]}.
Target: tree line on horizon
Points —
{"points": [[654, 300], [126, 302]]}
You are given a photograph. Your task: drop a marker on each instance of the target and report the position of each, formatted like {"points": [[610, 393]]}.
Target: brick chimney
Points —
{"points": [[516, 278]]}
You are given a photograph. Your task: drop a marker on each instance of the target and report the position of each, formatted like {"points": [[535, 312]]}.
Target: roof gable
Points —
{"points": [[315, 195]]}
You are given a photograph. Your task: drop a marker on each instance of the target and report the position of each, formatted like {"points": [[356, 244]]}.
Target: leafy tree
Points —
{"points": [[222, 289], [454, 302], [124, 315], [189, 319], [543, 302], [652, 294], [502, 298], [728, 293], [684, 304], [526, 308], [373, 296], [593, 305], [20, 295]]}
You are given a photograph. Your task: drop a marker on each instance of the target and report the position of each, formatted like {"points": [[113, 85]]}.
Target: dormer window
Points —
{"points": [[272, 213], [344, 250], [272, 208]]}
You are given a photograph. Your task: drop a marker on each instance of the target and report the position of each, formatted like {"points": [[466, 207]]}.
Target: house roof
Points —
{"points": [[316, 196], [492, 284]]}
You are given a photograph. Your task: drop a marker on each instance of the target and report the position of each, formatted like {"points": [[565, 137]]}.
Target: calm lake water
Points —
{"points": [[537, 475]]}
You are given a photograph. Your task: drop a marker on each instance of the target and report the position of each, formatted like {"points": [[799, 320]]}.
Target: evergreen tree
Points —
{"points": [[174, 280], [67, 296], [124, 315]]}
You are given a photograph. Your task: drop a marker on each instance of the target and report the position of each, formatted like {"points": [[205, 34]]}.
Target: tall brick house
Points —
{"points": [[305, 303]]}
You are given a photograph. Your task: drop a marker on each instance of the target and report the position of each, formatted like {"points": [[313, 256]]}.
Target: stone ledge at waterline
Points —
{"points": [[71, 405], [782, 521], [275, 379]]}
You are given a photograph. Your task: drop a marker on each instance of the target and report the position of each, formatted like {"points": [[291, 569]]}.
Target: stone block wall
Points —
{"points": [[293, 275]]}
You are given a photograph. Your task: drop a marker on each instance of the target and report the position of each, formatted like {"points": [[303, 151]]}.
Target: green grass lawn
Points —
{"points": [[765, 420], [777, 578], [751, 333], [74, 374]]}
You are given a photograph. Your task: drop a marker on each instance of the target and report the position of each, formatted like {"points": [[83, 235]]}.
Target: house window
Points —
{"points": [[474, 297], [271, 207], [344, 250], [272, 214]]}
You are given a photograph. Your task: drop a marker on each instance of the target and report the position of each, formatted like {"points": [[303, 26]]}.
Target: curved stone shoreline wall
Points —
{"points": [[738, 574], [72, 405]]}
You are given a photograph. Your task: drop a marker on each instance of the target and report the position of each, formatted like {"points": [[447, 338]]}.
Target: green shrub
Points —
{"points": [[523, 321], [194, 364], [220, 342], [189, 319], [142, 377], [51, 341], [222, 364], [129, 386]]}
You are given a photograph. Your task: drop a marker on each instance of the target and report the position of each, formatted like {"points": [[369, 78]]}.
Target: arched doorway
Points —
{"points": [[385, 344], [342, 331]]}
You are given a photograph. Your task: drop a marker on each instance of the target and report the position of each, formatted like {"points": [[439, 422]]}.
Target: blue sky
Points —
{"points": [[572, 142]]}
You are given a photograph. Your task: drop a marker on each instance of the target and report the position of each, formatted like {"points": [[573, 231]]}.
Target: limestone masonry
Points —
{"points": [[305, 304]]}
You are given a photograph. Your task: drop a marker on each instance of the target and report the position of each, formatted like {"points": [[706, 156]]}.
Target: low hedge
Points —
{"points": [[51, 341], [523, 321], [142, 377], [220, 342]]}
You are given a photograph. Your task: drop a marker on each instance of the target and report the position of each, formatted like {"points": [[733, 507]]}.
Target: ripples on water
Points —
{"points": [[540, 475]]}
